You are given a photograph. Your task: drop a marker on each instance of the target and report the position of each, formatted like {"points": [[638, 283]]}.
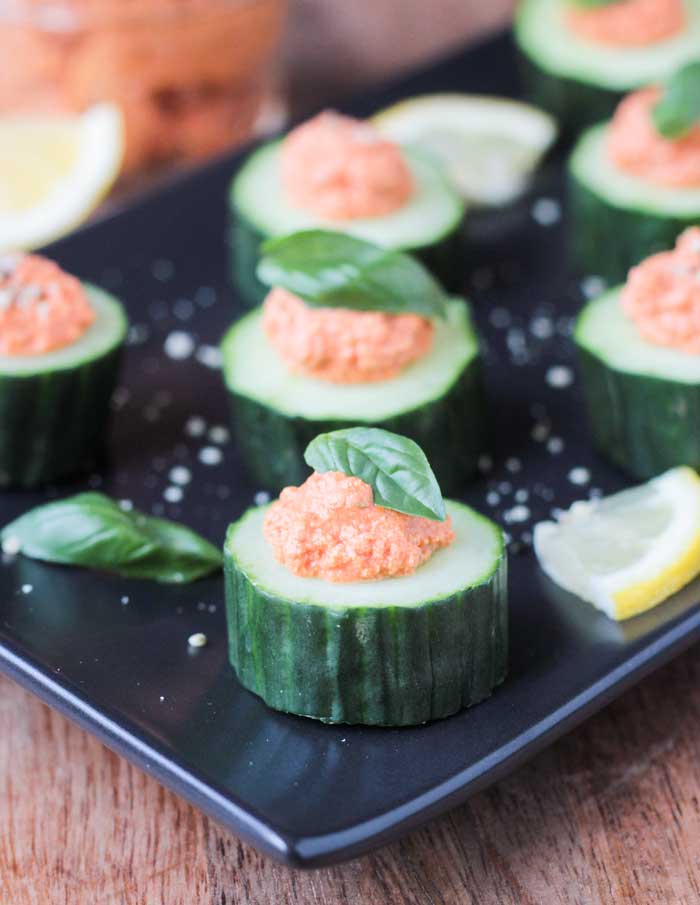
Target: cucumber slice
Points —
{"points": [[428, 225], [643, 400], [54, 407], [395, 652], [619, 219], [579, 81], [488, 146], [437, 401]]}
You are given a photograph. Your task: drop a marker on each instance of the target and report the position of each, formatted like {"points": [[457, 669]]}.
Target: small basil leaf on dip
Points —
{"points": [[679, 108], [92, 531], [394, 466], [333, 270]]}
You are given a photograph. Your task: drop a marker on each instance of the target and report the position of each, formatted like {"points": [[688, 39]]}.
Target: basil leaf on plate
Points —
{"points": [[679, 108], [92, 531], [334, 270], [394, 466]]}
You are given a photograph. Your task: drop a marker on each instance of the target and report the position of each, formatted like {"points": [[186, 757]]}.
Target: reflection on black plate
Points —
{"points": [[113, 653]]}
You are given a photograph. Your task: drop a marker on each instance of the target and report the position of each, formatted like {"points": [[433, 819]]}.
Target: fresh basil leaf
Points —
{"points": [[594, 4], [334, 270], [679, 108], [394, 466], [92, 531]]}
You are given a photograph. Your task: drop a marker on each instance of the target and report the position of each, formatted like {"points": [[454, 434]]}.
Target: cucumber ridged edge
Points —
{"points": [[392, 666], [607, 240]]}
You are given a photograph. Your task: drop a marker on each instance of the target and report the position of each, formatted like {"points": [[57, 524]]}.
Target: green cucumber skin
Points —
{"points": [[645, 425], [608, 240], [575, 104], [386, 666], [450, 430], [443, 258], [53, 425]]}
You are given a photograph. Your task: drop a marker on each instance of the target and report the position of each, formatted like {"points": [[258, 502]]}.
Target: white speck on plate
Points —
{"points": [[522, 495], [195, 426], [219, 434], [120, 397], [124, 600], [137, 335], [546, 211], [178, 345], [179, 474], [542, 327], [579, 475], [126, 505], [493, 498], [518, 513], [505, 487], [201, 606], [513, 464], [261, 497], [210, 455], [173, 494], [559, 376], [593, 286], [183, 309], [11, 545], [27, 588], [161, 698], [205, 296], [209, 356], [198, 639], [555, 445], [212, 607]]}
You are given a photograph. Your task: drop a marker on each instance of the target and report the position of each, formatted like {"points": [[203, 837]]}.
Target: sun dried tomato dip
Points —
{"points": [[634, 145], [628, 23], [42, 308], [329, 528], [340, 345], [341, 168], [662, 295]]}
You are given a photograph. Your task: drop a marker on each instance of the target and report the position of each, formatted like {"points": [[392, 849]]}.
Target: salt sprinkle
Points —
{"points": [[11, 545], [593, 286], [579, 475], [555, 445], [513, 464], [219, 434], [493, 498], [124, 600], [518, 513], [542, 327], [484, 464], [261, 497], [559, 376], [210, 356], [210, 455], [500, 318], [180, 475], [198, 639], [546, 211], [183, 309], [163, 270], [522, 495], [173, 494], [195, 426], [540, 432], [178, 345], [27, 588]]}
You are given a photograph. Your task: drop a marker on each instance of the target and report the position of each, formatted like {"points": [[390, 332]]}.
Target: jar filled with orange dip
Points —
{"points": [[190, 76]]}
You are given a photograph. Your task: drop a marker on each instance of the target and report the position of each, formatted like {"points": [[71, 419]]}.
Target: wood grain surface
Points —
{"points": [[610, 814]]}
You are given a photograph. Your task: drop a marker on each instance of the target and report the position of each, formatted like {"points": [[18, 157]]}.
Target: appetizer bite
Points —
{"points": [[635, 181], [351, 333], [630, 551], [362, 596], [60, 342], [337, 172], [579, 57], [639, 353]]}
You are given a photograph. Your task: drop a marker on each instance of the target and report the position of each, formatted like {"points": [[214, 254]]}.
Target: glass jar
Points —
{"points": [[189, 75]]}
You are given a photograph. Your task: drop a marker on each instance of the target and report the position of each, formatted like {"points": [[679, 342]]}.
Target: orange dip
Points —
{"points": [[42, 308], [330, 528], [340, 345], [628, 23], [635, 146], [342, 168], [662, 295]]}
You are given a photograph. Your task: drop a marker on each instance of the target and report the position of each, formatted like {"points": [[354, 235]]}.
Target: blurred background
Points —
{"points": [[195, 77]]}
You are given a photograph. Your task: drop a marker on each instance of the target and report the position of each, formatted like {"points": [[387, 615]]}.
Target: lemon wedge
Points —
{"points": [[490, 146], [627, 552], [54, 170]]}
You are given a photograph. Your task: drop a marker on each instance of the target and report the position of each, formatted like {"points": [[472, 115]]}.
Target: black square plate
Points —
{"points": [[113, 654]]}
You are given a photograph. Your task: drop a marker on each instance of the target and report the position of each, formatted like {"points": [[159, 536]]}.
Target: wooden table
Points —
{"points": [[609, 814]]}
